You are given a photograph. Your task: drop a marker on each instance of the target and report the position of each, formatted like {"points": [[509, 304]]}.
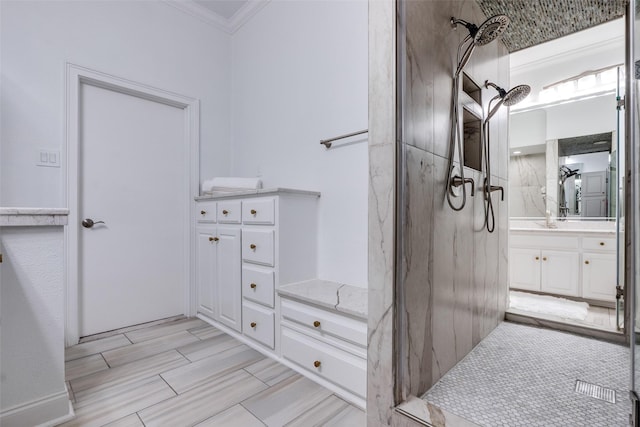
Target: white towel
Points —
{"points": [[230, 184]]}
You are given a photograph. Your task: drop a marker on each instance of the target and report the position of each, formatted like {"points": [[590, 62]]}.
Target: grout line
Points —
{"points": [[169, 385], [244, 369], [142, 422], [105, 360], [183, 356], [246, 409]]}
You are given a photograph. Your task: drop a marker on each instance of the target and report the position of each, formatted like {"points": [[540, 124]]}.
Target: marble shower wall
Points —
{"points": [[455, 272], [527, 182]]}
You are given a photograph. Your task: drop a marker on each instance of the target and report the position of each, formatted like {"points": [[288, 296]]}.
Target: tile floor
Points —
{"points": [[525, 376], [188, 373]]}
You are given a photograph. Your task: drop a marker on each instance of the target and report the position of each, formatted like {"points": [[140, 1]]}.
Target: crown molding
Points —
{"points": [[229, 26], [245, 13]]}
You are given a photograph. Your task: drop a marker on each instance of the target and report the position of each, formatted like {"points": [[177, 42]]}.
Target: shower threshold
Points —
{"points": [[527, 376]]}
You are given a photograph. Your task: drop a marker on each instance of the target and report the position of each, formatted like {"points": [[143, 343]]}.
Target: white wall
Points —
{"points": [[588, 117], [32, 334], [591, 162], [148, 42], [528, 129], [299, 76]]}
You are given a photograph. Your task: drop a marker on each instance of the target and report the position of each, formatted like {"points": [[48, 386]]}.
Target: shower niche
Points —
{"points": [[471, 98]]}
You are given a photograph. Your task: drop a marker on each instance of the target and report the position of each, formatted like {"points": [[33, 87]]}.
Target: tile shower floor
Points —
{"points": [[186, 373], [525, 376]]}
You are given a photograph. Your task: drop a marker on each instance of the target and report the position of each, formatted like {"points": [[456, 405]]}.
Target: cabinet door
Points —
{"points": [[229, 286], [559, 274], [599, 276], [524, 267], [206, 270]]}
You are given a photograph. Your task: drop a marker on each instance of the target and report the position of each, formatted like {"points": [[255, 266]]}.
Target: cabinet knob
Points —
{"points": [[225, 212], [252, 246], [253, 324], [586, 262], [537, 258], [544, 258], [253, 286], [253, 211], [213, 239], [203, 212], [601, 243], [317, 363], [316, 324]]}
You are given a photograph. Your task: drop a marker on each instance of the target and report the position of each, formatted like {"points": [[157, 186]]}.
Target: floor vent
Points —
{"points": [[596, 391]]}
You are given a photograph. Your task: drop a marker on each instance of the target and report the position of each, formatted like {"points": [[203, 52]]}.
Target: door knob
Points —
{"points": [[88, 223]]}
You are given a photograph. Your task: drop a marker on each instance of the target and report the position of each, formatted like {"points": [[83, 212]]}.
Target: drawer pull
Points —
{"points": [[544, 258], [316, 324], [252, 246], [253, 286], [225, 212], [601, 243], [213, 239], [537, 258], [254, 212], [586, 262], [317, 363], [203, 212], [253, 324]]}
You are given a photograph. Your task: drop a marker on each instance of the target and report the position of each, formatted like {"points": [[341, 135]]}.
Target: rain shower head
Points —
{"points": [[512, 97], [487, 32]]}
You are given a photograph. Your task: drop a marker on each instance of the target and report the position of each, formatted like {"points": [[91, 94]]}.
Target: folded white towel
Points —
{"points": [[230, 184]]}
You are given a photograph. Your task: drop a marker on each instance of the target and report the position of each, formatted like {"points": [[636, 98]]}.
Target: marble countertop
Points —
{"points": [[27, 217], [258, 192], [339, 297], [569, 226]]}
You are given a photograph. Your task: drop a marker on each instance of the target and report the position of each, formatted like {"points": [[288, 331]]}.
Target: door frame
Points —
{"points": [[75, 77]]}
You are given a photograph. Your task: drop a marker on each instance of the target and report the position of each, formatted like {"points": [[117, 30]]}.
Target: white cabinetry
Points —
{"points": [[564, 263], [218, 273], [247, 246]]}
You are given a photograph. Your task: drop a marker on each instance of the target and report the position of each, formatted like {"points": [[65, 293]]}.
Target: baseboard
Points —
{"points": [[46, 412]]}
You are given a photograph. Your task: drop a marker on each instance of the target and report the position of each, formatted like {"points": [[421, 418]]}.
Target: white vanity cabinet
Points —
{"points": [[248, 244], [564, 263]]}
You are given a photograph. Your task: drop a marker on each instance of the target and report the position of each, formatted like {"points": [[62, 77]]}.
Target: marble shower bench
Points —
{"points": [[323, 333]]}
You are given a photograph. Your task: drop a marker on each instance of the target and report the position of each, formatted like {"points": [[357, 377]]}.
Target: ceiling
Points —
{"points": [[538, 21], [584, 144], [224, 8]]}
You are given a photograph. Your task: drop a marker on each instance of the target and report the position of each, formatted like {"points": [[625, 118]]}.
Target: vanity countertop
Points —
{"points": [[27, 217], [339, 297], [257, 193], [562, 227]]}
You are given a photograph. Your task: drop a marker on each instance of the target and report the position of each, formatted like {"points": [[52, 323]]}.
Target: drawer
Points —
{"points": [[206, 212], [543, 241], [335, 365], [599, 244], [258, 246], [258, 324], [229, 212], [323, 322], [259, 211], [258, 285]]}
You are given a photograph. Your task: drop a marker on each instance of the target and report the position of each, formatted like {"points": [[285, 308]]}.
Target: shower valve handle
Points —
{"points": [[492, 188], [456, 181]]}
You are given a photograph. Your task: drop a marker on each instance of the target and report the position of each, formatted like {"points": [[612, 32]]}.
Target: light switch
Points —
{"points": [[48, 158]]}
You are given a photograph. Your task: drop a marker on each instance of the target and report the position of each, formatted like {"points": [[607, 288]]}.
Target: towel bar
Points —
{"points": [[327, 142]]}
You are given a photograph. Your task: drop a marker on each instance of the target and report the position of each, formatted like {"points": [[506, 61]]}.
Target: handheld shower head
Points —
{"points": [[512, 97], [487, 32]]}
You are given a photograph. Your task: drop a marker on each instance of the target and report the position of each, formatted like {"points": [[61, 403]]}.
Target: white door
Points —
{"points": [[131, 176], [228, 282], [560, 270], [524, 267], [206, 270], [594, 194], [599, 276]]}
